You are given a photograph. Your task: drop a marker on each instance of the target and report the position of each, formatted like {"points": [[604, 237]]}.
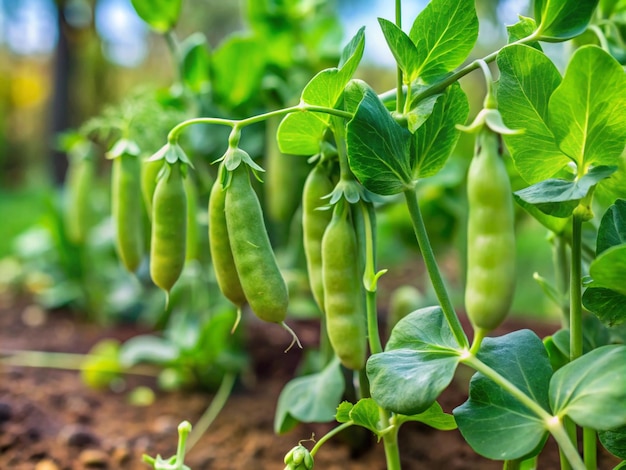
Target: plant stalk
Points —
{"points": [[433, 270], [590, 453], [576, 308]]}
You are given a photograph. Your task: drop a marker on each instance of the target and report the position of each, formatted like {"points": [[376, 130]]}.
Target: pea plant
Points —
{"points": [[566, 134]]}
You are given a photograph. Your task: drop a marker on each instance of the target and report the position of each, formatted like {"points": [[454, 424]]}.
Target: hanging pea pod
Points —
{"points": [[169, 228], [219, 243], [343, 290], [261, 279], [192, 241], [78, 185], [126, 203], [149, 174], [315, 219]]}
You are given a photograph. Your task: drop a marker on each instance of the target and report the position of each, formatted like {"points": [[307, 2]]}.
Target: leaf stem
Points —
{"points": [[590, 449], [433, 270], [399, 78], [216, 405], [329, 435], [302, 108], [392, 450]]}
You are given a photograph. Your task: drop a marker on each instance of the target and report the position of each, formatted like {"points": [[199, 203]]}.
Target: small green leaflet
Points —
{"points": [[560, 20], [586, 111], [196, 63], [161, 15], [559, 198], [612, 230], [493, 422], [441, 38], [522, 29], [311, 398], [433, 417], [615, 441], [301, 133], [606, 304], [592, 389], [436, 138], [378, 147], [419, 362], [364, 413], [527, 80], [609, 269]]}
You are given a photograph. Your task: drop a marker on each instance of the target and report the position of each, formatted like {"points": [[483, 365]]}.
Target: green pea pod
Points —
{"points": [[127, 210], [490, 235], [149, 174], [78, 184], [343, 294], [260, 276], [219, 245], [169, 228], [314, 223]]}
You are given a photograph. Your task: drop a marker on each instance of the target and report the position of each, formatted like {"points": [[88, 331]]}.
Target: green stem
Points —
{"points": [[174, 47], [512, 465], [570, 429], [302, 107], [561, 265], [184, 429], [590, 449], [217, 404], [329, 435], [553, 423], [576, 309], [433, 270], [392, 450]]}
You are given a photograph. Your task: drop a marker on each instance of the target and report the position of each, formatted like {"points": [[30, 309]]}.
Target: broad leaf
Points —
{"points": [[612, 230], [614, 187], [558, 225], [161, 15], [196, 63], [378, 147], [444, 34], [493, 422], [586, 111], [559, 198], [301, 133], [418, 363], [606, 304], [527, 80], [614, 441], [595, 334], [310, 399], [436, 138], [560, 20], [433, 417], [238, 67], [608, 270], [592, 389], [366, 413]]}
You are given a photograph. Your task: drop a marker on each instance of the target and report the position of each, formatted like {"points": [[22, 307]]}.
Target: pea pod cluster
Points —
{"points": [[490, 235], [255, 263]]}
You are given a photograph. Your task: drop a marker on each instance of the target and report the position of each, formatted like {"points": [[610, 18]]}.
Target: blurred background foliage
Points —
{"points": [[94, 64]]}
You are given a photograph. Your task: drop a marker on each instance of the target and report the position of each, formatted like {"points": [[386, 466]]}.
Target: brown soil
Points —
{"points": [[49, 420]]}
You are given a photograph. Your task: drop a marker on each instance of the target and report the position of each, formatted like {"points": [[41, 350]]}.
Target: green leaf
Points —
{"points": [[614, 441], [238, 67], [402, 48], [161, 15], [343, 412], [560, 20], [586, 111], [606, 304], [494, 423], [614, 187], [612, 230], [558, 225], [419, 362], [421, 112], [557, 358], [527, 80], [196, 63], [444, 34], [592, 389], [436, 138], [595, 334], [433, 417], [365, 413], [301, 133], [522, 29], [559, 198], [310, 399], [378, 147], [609, 269]]}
